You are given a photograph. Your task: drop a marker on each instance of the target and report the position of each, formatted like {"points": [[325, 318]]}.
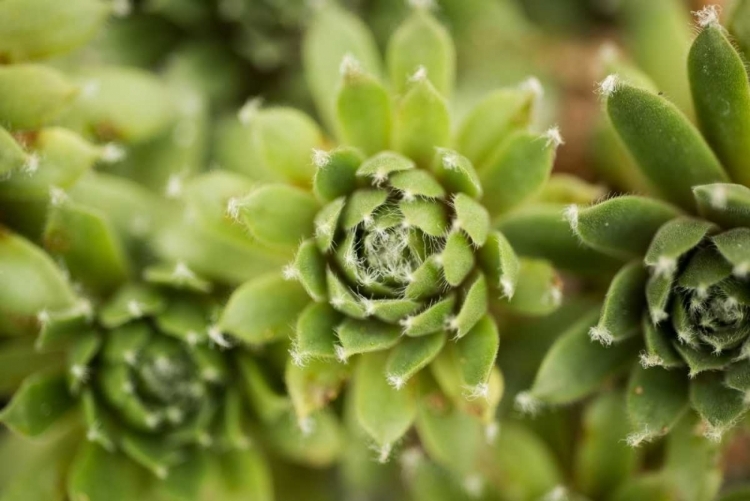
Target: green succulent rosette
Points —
{"points": [[393, 264], [680, 302]]}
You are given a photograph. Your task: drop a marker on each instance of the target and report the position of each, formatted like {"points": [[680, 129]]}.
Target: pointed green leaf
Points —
{"points": [[721, 95], [660, 351], [456, 173], [384, 412], [98, 475], [88, 246], [363, 111], [421, 42], [336, 172], [131, 302], [342, 298], [283, 139], [263, 309], [539, 289], [657, 398], [516, 171], [310, 270], [477, 351], [365, 336], [668, 148], [279, 214], [425, 280], [575, 367], [473, 308], [326, 222], [728, 205], [316, 332], [332, 34], [412, 355], [623, 226], [360, 207], [38, 404], [421, 122], [313, 385], [494, 118], [34, 95], [673, 240], [472, 217], [623, 306], [500, 264], [431, 319], [719, 406], [734, 245], [417, 182], [428, 215], [457, 258]]}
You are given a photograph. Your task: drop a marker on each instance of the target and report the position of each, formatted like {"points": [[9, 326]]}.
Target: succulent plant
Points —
{"points": [[679, 304], [398, 252]]}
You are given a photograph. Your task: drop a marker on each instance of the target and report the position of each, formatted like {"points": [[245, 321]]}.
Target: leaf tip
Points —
{"points": [[601, 335], [708, 16], [570, 214], [526, 403], [553, 137], [249, 110], [609, 85]]}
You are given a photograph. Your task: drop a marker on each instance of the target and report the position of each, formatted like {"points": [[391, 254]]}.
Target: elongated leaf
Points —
{"points": [[727, 205], [421, 122], [623, 306], [621, 227], [39, 403], [721, 94], [421, 41], [263, 309], [574, 366], [669, 150], [411, 355], [718, 405], [657, 398], [35, 95], [332, 34], [384, 412], [363, 112]]}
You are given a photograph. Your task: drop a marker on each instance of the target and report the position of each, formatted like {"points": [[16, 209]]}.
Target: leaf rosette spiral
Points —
{"points": [[680, 304], [394, 262]]}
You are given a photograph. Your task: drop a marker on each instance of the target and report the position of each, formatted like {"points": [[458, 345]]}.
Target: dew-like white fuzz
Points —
{"points": [[320, 158], [113, 153], [601, 334], [349, 66], [570, 214], [289, 272], [526, 403], [665, 266], [553, 137], [708, 16], [121, 8], [31, 165], [718, 196], [215, 335], [249, 110], [341, 354], [397, 382], [608, 86], [474, 485], [533, 85], [173, 189], [649, 360], [135, 309], [57, 196], [508, 287], [482, 390], [491, 432], [741, 270], [419, 75]]}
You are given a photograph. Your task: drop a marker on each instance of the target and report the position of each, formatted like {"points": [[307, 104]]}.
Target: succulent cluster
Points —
{"points": [[204, 300]]}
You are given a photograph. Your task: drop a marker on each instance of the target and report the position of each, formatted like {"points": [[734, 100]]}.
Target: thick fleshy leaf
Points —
{"points": [[737, 376], [705, 268], [574, 366], [360, 207], [539, 289], [472, 217], [473, 307], [718, 405], [450, 437], [622, 226], [312, 385], [539, 230], [721, 95], [427, 215], [456, 173], [342, 298], [88, 245], [279, 214], [668, 148], [660, 350], [263, 309], [728, 205], [237, 475], [363, 111], [411, 355], [457, 258], [702, 360], [316, 332], [657, 398], [477, 352], [421, 42], [316, 442], [326, 222], [34, 95], [384, 412], [310, 270], [492, 120], [19, 359], [516, 171], [658, 292], [33, 284], [421, 122], [500, 264], [38, 404], [734, 245], [603, 461], [336, 174], [98, 475], [425, 280], [131, 302], [623, 306], [269, 405], [129, 105], [27, 36], [673, 240], [431, 319], [382, 165], [417, 182], [364, 336], [333, 34]]}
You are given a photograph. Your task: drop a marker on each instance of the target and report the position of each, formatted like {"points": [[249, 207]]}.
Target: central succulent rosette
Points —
{"points": [[394, 262]]}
